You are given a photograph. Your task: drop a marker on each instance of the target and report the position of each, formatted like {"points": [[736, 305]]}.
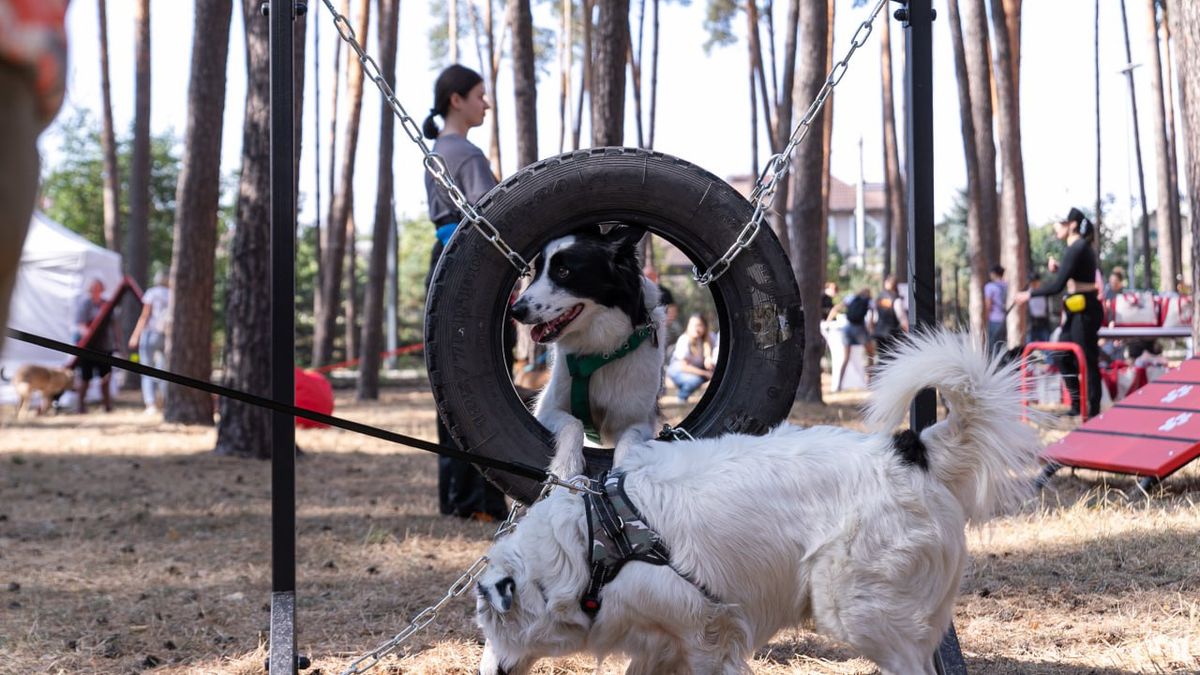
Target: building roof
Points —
{"points": [[842, 195]]}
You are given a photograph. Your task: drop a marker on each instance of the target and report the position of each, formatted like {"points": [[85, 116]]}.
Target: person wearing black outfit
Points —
{"points": [[1084, 313], [887, 323], [459, 100]]}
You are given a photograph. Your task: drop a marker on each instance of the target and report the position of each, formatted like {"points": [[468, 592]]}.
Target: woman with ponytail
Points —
{"points": [[458, 98], [1084, 314]]}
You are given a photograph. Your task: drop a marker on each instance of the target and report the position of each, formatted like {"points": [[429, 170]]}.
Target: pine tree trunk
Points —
{"points": [[452, 29], [1014, 221], [108, 142], [827, 144], [979, 67], [783, 126], [1186, 19], [494, 48], [1172, 149], [757, 72], [587, 72], [351, 304], [299, 39], [524, 83], [373, 316], [653, 79], [566, 50], [893, 181], [244, 430], [137, 249], [334, 253], [608, 81], [1167, 203], [635, 67], [809, 232], [189, 335], [323, 235], [978, 257]]}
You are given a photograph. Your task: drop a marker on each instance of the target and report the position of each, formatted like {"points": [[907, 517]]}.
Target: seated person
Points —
{"points": [[694, 357]]}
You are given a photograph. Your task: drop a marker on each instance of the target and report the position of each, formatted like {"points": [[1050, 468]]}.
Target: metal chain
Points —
{"points": [[464, 582], [434, 164], [778, 165]]}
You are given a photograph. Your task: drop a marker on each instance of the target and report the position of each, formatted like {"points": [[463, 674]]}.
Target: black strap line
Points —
{"points": [[1162, 381], [516, 468], [1131, 434]]}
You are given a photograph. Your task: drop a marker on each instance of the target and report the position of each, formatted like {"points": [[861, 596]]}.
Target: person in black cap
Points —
{"points": [[1077, 277]]}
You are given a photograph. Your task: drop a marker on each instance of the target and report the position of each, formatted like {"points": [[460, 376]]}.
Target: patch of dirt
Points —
{"points": [[127, 546]]}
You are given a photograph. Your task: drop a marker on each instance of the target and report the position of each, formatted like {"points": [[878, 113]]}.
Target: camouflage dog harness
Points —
{"points": [[619, 534]]}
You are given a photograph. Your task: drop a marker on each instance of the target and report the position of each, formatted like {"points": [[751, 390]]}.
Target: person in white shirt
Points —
{"points": [[694, 357], [149, 338]]}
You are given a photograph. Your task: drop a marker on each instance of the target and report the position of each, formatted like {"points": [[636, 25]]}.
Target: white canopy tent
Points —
{"points": [[56, 265]]}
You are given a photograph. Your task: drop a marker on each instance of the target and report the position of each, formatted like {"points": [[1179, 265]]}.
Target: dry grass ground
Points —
{"points": [[126, 546]]}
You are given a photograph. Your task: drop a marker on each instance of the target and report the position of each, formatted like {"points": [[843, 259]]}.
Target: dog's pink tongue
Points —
{"points": [[539, 331]]}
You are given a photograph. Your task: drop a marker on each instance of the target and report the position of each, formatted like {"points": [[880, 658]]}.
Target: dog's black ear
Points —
{"points": [[626, 236], [501, 594]]}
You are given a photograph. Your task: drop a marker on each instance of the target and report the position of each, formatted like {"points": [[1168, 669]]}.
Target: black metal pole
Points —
{"points": [[283, 431], [922, 303], [1137, 144]]}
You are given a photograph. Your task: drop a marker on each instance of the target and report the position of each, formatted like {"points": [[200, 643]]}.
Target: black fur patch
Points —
{"points": [[911, 450], [603, 268]]}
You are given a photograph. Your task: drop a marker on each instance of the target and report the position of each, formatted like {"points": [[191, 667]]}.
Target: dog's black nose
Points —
{"points": [[520, 310]]}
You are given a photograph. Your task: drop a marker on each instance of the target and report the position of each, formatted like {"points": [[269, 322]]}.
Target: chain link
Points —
{"points": [[778, 165], [465, 581], [434, 164]]}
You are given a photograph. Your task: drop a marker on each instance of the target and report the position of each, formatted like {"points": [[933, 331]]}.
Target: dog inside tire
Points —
{"points": [[757, 300]]}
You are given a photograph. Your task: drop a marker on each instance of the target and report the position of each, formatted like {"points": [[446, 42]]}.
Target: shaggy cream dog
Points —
{"points": [[859, 535]]}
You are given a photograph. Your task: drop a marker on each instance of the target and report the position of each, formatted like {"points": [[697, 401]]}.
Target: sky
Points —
{"points": [[703, 105]]}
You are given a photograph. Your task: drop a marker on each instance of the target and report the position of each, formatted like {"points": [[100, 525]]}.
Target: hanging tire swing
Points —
{"points": [[757, 300]]}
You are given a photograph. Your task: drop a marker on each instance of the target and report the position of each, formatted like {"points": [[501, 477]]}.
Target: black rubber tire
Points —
{"points": [[757, 300]]}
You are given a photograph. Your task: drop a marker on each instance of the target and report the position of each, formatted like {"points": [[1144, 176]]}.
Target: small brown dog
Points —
{"points": [[49, 382]]}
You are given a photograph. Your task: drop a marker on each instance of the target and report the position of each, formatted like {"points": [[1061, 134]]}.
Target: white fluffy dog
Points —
{"points": [[587, 299], [859, 535]]}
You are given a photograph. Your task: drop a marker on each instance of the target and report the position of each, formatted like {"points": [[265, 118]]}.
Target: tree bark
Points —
{"points": [[244, 430], [1186, 19], [566, 51], [197, 197], [827, 144], [608, 81], [373, 317], [351, 304], [809, 231], [323, 238], [783, 125], [334, 253], [137, 247], [757, 71], [1014, 227], [108, 142], [1172, 150], [1167, 202], [653, 79], [494, 47], [979, 68], [524, 83], [893, 181], [978, 258]]}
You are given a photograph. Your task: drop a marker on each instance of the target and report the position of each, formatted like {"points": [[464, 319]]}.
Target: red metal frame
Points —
{"points": [[1056, 347]]}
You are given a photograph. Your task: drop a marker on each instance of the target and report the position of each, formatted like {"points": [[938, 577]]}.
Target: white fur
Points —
{"points": [[623, 393], [824, 526]]}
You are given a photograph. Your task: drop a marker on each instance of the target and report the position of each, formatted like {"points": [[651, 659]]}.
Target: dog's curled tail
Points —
{"points": [[982, 451]]}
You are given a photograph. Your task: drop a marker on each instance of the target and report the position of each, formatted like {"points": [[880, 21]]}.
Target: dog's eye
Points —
{"points": [[562, 272]]}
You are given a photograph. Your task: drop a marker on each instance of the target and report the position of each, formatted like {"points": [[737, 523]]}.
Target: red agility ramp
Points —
{"points": [[1152, 433]]}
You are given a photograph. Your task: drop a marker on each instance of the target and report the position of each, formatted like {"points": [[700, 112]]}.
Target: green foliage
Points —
{"points": [[74, 187], [718, 22], [416, 241]]}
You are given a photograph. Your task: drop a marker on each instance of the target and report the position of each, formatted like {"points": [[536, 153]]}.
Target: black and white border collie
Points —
{"points": [[588, 296]]}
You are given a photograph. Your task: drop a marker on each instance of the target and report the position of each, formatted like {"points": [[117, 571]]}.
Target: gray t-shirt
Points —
{"points": [[85, 313], [470, 170]]}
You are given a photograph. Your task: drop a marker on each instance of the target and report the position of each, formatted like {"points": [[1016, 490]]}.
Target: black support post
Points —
{"points": [[918, 18], [283, 432]]}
